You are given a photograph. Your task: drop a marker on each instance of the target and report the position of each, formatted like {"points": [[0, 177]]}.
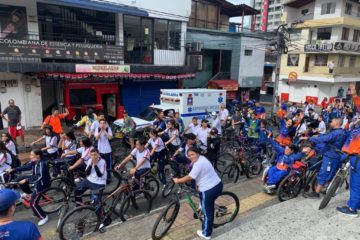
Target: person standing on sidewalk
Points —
{"points": [[13, 113], [54, 120], [209, 185], [10, 229]]}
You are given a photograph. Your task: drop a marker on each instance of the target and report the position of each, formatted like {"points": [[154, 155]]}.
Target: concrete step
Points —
{"points": [[297, 219]]}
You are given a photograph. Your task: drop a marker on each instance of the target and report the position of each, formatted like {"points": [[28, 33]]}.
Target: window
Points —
{"points": [[293, 60], [161, 34], [304, 12], [358, 11], [348, 8], [248, 52], [321, 60], [295, 34], [79, 97], [352, 61], [356, 36], [174, 35], [345, 34], [324, 33], [341, 61], [328, 8]]}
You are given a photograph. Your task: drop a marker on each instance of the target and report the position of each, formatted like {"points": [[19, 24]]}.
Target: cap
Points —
{"points": [[310, 109], [48, 127], [7, 198]]}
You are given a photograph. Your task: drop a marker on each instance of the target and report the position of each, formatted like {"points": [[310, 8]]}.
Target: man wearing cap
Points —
{"points": [[10, 229]]}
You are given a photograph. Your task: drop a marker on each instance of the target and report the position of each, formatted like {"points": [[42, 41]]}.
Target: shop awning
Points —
{"points": [[101, 5], [228, 85]]}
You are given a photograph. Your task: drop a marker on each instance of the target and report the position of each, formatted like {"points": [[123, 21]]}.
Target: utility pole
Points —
{"points": [[280, 45]]}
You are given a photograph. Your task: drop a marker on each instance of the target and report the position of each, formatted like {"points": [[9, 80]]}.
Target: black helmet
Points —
{"points": [[214, 131]]}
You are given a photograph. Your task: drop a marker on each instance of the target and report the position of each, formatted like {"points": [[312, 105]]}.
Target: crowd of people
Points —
{"points": [[302, 133]]}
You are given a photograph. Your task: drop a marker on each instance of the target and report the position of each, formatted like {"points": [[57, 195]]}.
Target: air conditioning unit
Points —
{"points": [[196, 61], [196, 47]]}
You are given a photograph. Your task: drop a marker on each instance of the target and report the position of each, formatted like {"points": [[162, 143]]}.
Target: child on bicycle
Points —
{"points": [[96, 175], [67, 144], [5, 161], [142, 156], [158, 153], [40, 178], [50, 151]]}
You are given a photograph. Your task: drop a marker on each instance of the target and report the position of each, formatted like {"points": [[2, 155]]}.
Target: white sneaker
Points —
{"points": [[270, 187], [201, 235], [43, 221]]}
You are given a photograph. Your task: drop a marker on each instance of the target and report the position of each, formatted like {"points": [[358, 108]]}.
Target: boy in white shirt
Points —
{"points": [[103, 135]]}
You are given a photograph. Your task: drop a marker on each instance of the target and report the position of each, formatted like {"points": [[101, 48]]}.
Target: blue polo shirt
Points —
{"points": [[19, 230]]}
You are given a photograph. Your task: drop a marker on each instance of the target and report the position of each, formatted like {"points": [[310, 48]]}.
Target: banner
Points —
{"points": [[264, 15], [13, 22], [100, 68], [348, 47], [29, 50], [324, 47]]}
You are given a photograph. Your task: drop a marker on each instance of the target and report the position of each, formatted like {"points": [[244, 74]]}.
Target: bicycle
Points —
{"points": [[336, 183], [86, 219], [50, 200], [227, 206], [300, 177]]}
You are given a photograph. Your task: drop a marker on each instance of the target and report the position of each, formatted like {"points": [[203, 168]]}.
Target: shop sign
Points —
{"points": [[348, 47], [30, 50], [293, 76], [323, 47], [101, 68]]}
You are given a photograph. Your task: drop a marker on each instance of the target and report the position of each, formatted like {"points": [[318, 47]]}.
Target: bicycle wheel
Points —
{"points": [[230, 174], [227, 206], [331, 191], [79, 222], [63, 183], [289, 187], [62, 213], [137, 203], [224, 160], [151, 185], [255, 166], [52, 199], [168, 188], [114, 183], [165, 220]]}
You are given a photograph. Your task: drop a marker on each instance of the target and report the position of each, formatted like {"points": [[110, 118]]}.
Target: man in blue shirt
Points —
{"points": [[10, 229]]}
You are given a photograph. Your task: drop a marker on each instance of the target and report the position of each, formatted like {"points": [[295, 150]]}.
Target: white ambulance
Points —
{"points": [[188, 102]]}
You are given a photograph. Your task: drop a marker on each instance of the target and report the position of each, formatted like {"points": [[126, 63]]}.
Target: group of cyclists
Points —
{"points": [[295, 133]]}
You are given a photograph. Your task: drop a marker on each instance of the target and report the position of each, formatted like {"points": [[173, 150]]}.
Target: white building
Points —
{"points": [[274, 13], [328, 37]]}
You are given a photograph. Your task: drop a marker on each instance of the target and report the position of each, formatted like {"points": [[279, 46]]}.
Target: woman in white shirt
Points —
{"points": [[174, 137], [9, 143], [5, 159], [158, 153], [209, 185], [50, 150], [142, 156]]}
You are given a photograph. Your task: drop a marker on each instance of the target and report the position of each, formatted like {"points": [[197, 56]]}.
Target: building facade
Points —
{"points": [[324, 51], [274, 13], [77, 52]]}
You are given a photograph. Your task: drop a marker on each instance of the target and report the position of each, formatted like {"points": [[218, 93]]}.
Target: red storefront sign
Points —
{"points": [[264, 15]]}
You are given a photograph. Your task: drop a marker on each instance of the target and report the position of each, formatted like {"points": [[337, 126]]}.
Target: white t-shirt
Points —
{"points": [[93, 177], [139, 157], [224, 114], [103, 142], [322, 127], [70, 146], [11, 147], [52, 143], [217, 124], [204, 174], [194, 128], [5, 162], [171, 133], [157, 142], [202, 135], [85, 153]]}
